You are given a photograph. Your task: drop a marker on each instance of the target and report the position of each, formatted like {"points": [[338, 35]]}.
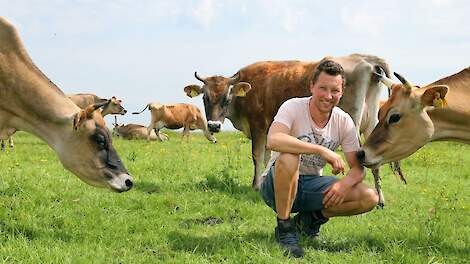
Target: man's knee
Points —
{"points": [[369, 199], [288, 162]]}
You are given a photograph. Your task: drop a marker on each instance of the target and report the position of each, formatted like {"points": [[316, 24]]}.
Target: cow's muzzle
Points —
{"points": [[361, 156], [214, 126]]}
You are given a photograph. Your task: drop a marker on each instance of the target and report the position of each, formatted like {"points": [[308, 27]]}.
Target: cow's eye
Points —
{"points": [[100, 141], [394, 118]]}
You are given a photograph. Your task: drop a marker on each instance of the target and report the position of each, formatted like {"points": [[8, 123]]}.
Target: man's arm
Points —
{"points": [[337, 192], [280, 140]]}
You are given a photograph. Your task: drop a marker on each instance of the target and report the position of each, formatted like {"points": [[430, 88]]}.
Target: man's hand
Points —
{"points": [[335, 194], [334, 160]]}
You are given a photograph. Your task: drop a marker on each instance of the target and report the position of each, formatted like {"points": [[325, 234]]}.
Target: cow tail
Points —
{"points": [[136, 113]]}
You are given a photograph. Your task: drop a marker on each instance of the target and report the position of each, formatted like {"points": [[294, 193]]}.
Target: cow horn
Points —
{"points": [[199, 78], [235, 78], [405, 82], [383, 78]]}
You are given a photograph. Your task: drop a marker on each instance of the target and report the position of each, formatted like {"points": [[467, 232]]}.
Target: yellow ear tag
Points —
{"points": [[193, 93], [241, 92], [438, 101]]}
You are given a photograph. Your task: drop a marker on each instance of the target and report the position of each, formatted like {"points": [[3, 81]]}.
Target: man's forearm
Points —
{"points": [[284, 143], [355, 175]]}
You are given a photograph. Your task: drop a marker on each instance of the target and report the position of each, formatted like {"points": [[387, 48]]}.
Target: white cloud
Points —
{"points": [[363, 20], [205, 13]]}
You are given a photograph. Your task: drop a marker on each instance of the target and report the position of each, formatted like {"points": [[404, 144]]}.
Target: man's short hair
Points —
{"points": [[329, 67]]}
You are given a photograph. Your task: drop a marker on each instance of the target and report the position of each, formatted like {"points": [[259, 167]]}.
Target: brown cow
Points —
{"points": [[134, 131], [111, 106], [412, 117], [175, 116], [78, 136], [5, 134], [251, 98]]}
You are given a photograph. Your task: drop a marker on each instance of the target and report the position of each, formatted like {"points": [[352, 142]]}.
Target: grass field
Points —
{"points": [[193, 203]]}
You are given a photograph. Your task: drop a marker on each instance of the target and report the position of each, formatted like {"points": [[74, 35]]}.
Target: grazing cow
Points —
{"points": [[251, 98], [175, 116], [32, 103], [412, 117], [134, 131], [111, 106], [7, 134]]}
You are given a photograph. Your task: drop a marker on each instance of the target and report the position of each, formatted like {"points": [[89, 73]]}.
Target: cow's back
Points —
{"points": [[272, 83], [83, 100], [174, 116]]}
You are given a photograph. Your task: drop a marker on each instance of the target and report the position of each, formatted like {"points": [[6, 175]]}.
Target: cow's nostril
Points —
{"points": [[128, 183], [361, 155]]}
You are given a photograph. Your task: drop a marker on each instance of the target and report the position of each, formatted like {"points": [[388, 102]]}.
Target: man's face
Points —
{"points": [[326, 92]]}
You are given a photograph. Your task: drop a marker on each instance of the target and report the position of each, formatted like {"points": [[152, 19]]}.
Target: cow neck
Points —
{"points": [[34, 104], [322, 120]]}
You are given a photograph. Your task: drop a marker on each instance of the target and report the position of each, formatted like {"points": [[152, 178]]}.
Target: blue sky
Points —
{"points": [[147, 51]]}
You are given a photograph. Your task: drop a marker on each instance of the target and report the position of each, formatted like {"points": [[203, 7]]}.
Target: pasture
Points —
{"points": [[193, 203]]}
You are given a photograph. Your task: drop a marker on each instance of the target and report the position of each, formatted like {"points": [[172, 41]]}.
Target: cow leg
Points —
{"points": [[149, 131], [397, 170], [10, 141], [378, 187], [258, 150], [185, 134], [2, 142], [159, 135]]}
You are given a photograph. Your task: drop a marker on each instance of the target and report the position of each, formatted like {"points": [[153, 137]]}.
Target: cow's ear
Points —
{"points": [[79, 118], [241, 88], [435, 96], [193, 90]]}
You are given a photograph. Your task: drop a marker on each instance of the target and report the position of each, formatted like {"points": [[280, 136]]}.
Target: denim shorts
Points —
{"points": [[309, 196]]}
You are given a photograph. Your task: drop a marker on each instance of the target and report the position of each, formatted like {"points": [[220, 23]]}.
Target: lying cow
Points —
{"points": [[175, 116], [412, 117], [251, 98], [134, 131], [78, 136]]}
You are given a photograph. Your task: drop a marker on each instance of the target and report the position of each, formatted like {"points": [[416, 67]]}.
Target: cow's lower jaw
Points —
{"points": [[214, 126], [121, 183], [366, 159]]}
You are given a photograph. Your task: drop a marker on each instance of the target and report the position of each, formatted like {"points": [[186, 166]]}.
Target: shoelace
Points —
{"points": [[290, 238]]}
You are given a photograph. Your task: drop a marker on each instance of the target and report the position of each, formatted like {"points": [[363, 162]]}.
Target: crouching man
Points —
{"points": [[303, 136]]}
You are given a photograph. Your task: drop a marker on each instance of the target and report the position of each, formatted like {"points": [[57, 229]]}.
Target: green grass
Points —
{"points": [[193, 203]]}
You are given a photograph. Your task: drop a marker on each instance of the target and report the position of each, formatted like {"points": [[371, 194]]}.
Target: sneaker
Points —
{"points": [[288, 238], [309, 224]]}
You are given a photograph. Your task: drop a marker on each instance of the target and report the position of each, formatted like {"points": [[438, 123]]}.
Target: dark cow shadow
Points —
{"points": [[147, 187]]}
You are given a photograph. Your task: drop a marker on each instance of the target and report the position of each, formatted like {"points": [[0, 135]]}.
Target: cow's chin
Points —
{"points": [[373, 162], [121, 183]]}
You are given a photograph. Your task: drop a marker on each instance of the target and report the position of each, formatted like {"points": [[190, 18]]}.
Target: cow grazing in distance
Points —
{"points": [[32, 103], [7, 134], [175, 116], [134, 131], [413, 117], [251, 98], [111, 106]]}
